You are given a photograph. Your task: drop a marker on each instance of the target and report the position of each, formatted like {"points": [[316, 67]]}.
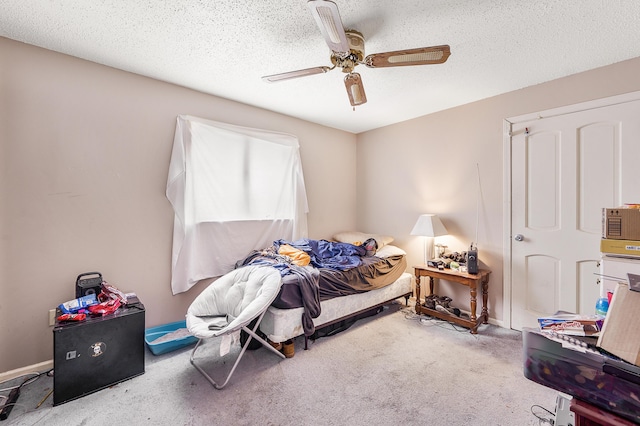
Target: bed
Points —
{"points": [[341, 293], [280, 325]]}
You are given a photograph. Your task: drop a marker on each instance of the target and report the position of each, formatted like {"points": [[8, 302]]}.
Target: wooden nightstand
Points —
{"points": [[470, 280]]}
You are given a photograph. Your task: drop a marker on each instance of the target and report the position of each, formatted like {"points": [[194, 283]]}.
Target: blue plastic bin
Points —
{"points": [[154, 333]]}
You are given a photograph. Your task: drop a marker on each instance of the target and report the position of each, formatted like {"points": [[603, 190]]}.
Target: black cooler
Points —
{"points": [[97, 353], [602, 380]]}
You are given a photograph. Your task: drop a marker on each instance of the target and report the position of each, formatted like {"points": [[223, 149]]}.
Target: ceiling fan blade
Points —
{"points": [[295, 74], [355, 89], [328, 20], [420, 56]]}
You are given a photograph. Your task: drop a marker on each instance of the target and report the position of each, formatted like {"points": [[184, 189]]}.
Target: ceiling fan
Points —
{"points": [[347, 52]]}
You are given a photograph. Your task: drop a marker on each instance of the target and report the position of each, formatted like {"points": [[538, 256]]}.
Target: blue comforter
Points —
{"points": [[328, 254]]}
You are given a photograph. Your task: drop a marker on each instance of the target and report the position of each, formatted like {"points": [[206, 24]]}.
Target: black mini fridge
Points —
{"points": [[97, 353]]}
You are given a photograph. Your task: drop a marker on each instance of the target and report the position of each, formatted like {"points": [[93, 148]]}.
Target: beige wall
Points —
{"points": [[85, 152], [428, 165], [85, 155]]}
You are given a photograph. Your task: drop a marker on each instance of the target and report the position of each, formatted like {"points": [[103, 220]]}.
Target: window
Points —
{"points": [[233, 189]]}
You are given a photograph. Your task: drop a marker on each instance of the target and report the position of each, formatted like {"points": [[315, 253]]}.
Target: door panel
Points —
{"points": [[542, 181], [598, 147], [542, 279]]}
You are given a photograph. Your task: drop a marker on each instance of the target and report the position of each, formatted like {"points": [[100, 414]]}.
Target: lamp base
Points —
{"points": [[428, 249]]}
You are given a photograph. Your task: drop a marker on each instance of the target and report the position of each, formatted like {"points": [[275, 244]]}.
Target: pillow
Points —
{"points": [[389, 250], [358, 238]]}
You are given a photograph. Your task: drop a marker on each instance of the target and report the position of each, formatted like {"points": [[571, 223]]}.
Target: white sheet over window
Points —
{"points": [[233, 189]]}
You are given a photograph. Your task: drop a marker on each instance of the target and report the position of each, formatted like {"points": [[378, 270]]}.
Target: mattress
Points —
{"points": [[283, 324]]}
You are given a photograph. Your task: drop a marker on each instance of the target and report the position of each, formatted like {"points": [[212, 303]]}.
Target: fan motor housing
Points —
{"points": [[356, 43], [356, 52]]}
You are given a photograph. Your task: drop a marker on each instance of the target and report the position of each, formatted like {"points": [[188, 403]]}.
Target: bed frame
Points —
{"points": [[283, 324]]}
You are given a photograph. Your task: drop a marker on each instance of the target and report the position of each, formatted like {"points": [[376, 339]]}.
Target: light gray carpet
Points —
{"points": [[393, 368]]}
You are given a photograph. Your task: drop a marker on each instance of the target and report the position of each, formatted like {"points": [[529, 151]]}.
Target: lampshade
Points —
{"points": [[429, 225]]}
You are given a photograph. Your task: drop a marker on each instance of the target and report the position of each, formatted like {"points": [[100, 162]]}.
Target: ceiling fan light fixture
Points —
{"points": [[355, 89]]}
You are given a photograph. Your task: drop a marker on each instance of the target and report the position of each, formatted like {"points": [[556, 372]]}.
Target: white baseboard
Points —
{"points": [[499, 323], [35, 368]]}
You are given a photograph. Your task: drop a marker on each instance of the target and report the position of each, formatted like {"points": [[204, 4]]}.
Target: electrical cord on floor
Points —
{"points": [[33, 377], [541, 419], [10, 401], [442, 323], [410, 314]]}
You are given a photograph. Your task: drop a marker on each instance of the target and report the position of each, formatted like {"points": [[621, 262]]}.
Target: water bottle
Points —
{"points": [[602, 306]]}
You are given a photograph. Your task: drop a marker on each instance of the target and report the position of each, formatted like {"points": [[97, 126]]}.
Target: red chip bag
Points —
{"points": [[72, 317], [111, 292], [105, 308]]}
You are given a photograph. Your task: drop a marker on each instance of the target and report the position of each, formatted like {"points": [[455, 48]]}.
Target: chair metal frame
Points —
{"points": [[252, 335]]}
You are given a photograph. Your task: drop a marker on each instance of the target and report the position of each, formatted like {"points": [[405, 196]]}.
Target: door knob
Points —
{"points": [[519, 237]]}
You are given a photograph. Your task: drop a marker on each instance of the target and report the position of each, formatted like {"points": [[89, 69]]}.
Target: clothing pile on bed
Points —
{"points": [[316, 270]]}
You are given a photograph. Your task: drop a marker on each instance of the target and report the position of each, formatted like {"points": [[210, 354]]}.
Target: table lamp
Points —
{"points": [[429, 226]]}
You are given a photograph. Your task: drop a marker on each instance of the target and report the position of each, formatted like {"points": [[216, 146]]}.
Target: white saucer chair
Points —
{"points": [[229, 304]]}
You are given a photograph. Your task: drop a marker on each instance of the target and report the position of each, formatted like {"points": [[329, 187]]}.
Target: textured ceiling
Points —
{"points": [[224, 47]]}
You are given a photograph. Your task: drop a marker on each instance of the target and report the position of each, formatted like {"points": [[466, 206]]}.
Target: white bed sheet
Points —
{"points": [[283, 324]]}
